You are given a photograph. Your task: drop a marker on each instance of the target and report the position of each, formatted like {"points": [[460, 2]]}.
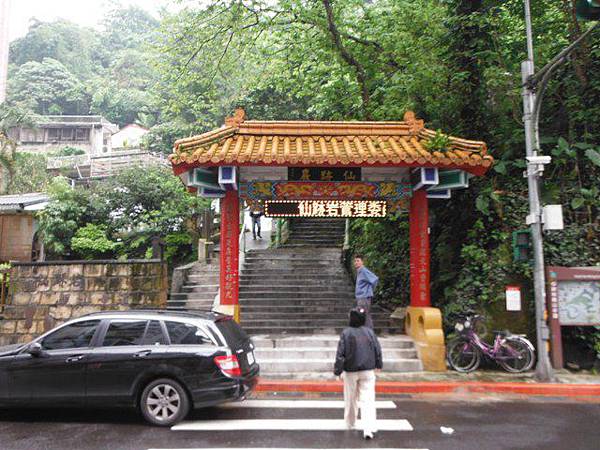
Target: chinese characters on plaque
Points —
{"points": [[324, 174], [325, 208]]}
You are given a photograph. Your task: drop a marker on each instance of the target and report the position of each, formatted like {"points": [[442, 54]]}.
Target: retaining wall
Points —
{"points": [[43, 295]]}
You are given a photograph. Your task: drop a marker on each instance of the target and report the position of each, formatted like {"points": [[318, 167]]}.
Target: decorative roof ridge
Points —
{"points": [[459, 143], [206, 138]]}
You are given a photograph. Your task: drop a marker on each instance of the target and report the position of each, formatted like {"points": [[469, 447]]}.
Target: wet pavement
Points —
{"points": [[486, 422]]}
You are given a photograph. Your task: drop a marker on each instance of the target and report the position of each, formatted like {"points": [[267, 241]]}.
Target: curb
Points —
{"points": [[427, 387]]}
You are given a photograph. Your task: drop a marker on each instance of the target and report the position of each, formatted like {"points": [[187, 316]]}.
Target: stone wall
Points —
{"points": [[43, 295]]}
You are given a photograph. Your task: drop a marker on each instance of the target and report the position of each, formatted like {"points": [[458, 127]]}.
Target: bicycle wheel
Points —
{"points": [[462, 355], [516, 356]]}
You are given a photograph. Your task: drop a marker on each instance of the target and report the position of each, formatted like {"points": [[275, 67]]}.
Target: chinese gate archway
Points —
{"points": [[326, 169]]}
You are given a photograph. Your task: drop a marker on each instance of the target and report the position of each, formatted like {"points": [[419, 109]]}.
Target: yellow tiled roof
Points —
{"points": [[286, 143]]}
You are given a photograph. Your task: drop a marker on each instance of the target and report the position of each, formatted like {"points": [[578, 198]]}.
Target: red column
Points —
{"points": [[229, 273], [419, 250]]}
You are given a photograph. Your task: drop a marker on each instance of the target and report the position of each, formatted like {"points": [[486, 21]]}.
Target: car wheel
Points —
{"points": [[164, 402]]}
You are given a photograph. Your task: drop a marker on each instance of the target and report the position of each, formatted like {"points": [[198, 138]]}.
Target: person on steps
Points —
{"points": [[366, 282], [358, 356], [255, 214]]}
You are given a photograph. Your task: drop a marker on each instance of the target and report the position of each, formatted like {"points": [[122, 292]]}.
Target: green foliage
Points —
{"points": [[62, 68], [119, 217], [440, 142], [47, 87], [386, 255], [60, 220], [30, 174], [78, 49], [68, 150], [91, 242]]}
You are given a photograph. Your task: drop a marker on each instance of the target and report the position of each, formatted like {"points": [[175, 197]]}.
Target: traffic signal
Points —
{"points": [[588, 9], [521, 244]]}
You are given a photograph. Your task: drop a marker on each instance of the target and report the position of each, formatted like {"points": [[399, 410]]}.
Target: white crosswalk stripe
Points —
{"points": [[300, 404], [268, 424], [286, 425]]}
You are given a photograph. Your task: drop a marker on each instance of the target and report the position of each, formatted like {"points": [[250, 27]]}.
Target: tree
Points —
{"points": [[47, 87], [10, 117], [77, 48], [119, 217]]}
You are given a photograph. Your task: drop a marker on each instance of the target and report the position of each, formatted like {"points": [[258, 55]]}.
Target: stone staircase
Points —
{"points": [[316, 233], [199, 289], [294, 301], [306, 357]]}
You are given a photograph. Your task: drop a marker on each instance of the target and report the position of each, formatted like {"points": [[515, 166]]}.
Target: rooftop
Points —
{"points": [[23, 202], [318, 143]]}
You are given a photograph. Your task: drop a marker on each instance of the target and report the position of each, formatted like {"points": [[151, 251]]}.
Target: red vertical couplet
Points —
{"points": [[230, 228], [419, 250]]}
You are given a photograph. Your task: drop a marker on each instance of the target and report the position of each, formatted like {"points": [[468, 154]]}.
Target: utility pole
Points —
{"points": [[534, 85]]}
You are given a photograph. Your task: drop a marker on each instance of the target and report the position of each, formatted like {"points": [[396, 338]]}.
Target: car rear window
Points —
{"points": [[186, 334], [231, 331], [125, 332]]}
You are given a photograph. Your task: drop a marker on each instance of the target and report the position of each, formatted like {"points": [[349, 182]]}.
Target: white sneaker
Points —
{"points": [[368, 435]]}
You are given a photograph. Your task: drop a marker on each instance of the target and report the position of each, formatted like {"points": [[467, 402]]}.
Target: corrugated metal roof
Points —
{"points": [[22, 202]]}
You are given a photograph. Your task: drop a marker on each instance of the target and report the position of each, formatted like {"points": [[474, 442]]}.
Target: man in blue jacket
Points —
{"points": [[366, 282], [358, 355]]}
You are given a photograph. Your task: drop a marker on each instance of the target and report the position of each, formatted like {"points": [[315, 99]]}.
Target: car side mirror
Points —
{"points": [[36, 350]]}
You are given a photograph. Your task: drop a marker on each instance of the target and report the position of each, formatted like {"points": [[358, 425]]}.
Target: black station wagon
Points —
{"points": [[162, 362]]}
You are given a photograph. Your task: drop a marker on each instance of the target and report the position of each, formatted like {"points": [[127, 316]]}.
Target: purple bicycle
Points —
{"points": [[514, 353]]}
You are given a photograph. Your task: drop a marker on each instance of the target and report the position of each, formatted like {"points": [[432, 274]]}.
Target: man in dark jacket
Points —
{"points": [[358, 355]]}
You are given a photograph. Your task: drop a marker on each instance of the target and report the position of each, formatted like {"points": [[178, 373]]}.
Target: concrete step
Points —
{"points": [[324, 353], [292, 330], [306, 245], [207, 279], [315, 322], [296, 299], [400, 341], [317, 302], [308, 315], [292, 288], [318, 277], [326, 365]]}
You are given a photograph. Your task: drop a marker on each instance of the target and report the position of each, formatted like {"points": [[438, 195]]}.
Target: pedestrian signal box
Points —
{"points": [[521, 244]]}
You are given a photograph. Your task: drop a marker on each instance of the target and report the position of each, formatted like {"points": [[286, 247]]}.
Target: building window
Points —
{"points": [[82, 134], [32, 135], [67, 134], [53, 134]]}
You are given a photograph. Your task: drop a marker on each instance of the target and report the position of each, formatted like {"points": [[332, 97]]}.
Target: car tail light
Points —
{"points": [[229, 365]]}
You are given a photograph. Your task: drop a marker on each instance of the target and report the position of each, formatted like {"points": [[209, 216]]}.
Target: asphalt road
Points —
{"points": [[486, 423]]}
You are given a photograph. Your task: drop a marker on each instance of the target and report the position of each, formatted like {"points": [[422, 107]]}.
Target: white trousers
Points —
{"points": [[360, 386]]}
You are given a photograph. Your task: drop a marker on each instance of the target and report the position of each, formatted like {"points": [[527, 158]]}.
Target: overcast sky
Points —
{"points": [[84, 12]]}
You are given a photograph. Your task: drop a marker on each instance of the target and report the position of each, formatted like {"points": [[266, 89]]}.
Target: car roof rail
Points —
{"points": [[205, 314]]}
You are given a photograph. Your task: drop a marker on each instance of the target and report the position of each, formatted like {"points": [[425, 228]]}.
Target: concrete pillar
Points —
{"points": [[419, 250], [229, 271]]}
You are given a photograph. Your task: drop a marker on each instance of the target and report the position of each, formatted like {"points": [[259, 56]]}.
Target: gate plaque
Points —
{"points": [[325, 208]]}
